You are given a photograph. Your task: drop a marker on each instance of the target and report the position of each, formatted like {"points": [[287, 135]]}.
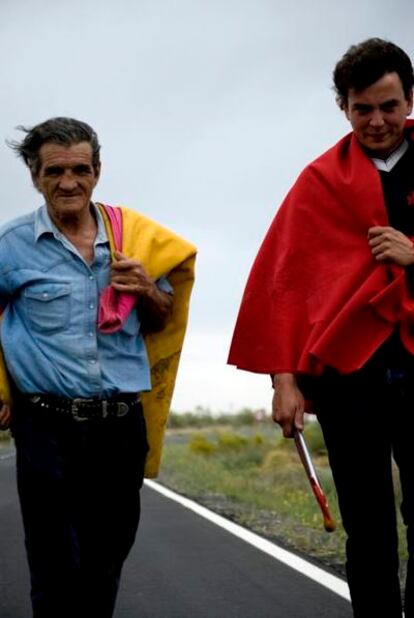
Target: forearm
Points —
{"points": [[154, 309]]}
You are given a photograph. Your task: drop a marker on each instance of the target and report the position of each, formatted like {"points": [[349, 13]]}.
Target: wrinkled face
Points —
{"points": [[66, 179], [378, 113]]}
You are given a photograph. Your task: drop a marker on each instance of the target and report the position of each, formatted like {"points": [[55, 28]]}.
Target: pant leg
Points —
{"points": [[50, 537], [404, 457], [354, 414], [110, 479], [79, 492]]}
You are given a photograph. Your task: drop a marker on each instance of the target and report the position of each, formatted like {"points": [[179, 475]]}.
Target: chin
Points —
{"points": [[70, 205], [380, 149]]}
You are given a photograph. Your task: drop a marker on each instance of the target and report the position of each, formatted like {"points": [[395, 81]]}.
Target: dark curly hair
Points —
{"points": [[364, 64], [60, 130]]}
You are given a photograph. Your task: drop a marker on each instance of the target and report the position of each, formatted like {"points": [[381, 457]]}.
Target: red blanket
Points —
{"points": [[315, 295]]}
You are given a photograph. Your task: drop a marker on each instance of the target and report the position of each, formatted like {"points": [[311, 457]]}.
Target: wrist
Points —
{"points": [[283, 379]]}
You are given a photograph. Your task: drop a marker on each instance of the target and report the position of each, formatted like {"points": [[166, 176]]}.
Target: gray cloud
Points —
{"points": [[206, 110]]}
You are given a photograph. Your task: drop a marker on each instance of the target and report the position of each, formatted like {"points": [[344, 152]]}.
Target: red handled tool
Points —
{"points": [[304, 454]]}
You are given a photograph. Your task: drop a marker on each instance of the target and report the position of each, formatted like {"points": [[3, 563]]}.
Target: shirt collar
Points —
{"points": [[386, 165], [44, 225]]}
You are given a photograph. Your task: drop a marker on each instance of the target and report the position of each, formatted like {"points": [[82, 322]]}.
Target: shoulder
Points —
{"points": [[139, 226], [18, 227], [333, 165]]}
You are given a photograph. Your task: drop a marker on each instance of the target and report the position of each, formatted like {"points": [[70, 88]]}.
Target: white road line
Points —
{"points": [[335, 584], [7, 456]]}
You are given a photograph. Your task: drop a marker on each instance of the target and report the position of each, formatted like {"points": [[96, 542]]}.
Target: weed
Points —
{"points": [[200, 445]]}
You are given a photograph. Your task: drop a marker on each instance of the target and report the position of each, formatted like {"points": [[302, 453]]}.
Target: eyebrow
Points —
{"points": [[58, 169], [53, 169], [365, 107]]}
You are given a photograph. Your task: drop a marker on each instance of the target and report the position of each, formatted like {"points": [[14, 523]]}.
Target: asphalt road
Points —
{"points": [[182, 566]]}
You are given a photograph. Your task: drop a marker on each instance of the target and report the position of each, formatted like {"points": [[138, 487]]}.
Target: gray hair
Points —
{"points": [[60, 130]]}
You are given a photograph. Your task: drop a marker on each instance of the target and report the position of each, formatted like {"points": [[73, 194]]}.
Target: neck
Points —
{"points": [[74, 224]]}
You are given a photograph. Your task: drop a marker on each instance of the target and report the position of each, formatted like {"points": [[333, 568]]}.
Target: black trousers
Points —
{"points": [[78, 484], [368, 417]]}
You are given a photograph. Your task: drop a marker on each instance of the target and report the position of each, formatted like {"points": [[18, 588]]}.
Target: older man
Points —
{"points": [[88, 292], [329, 312]]}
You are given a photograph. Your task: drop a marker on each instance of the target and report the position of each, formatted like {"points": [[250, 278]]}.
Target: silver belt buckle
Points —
{"points": [[74, 411], [122, 408]]}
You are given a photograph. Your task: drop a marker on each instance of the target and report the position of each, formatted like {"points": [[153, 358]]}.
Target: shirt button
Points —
{"points": [[44, 294], [90, 278], [90, 334], [91, 306], [92, 361]]}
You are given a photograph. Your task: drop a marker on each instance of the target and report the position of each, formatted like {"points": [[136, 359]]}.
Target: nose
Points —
{"points": [[67, 181], [377, 119]]}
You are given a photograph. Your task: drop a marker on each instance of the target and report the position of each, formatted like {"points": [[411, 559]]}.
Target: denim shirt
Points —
{"points": [[49, 329]]}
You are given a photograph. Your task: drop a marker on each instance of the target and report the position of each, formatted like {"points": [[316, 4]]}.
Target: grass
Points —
{"points": [[254, 476]]}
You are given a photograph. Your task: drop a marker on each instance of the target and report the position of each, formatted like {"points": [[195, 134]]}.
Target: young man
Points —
{"points": [[333, 286], [95, 303]]}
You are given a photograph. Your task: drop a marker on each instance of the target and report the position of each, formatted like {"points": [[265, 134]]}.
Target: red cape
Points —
{"points": [[315, 296]]}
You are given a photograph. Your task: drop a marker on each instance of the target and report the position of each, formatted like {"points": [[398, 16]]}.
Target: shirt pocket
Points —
{"points": [[47, 306]]}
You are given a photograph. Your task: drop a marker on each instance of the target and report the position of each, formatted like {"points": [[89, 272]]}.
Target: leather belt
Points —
{"points": [[80, 409]]}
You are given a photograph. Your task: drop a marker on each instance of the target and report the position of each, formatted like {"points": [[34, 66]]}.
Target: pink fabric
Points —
{"points": [[114, 306]]}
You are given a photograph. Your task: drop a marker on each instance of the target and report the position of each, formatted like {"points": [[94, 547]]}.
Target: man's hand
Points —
{"points": [[5, 416], [130, 276], [288, 404], [154, 306], [389, 245]]}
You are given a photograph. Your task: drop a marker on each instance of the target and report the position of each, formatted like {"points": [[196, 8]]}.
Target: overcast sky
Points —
{"points": [[207, 110]]}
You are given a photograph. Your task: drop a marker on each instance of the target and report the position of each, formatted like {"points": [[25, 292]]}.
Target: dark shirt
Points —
{"points": [[398, 188]]}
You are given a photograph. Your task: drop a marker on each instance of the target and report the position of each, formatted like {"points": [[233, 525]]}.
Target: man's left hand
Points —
{"points": [[390, 245], [129, 276], [5, 416]]}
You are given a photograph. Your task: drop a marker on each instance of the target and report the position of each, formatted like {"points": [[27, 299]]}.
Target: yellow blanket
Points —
{"points": [[161, 252]]}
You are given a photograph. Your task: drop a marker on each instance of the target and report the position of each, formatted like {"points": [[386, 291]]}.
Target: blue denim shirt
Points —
{"points": [[49, 329]]}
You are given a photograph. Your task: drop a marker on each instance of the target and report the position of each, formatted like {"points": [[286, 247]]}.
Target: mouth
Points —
{"points": [[379, 137], [68, 197]]}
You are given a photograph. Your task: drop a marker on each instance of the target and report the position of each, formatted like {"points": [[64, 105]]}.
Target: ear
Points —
{"points": [[410, 103], [97, 171], [35, 179], [345, 109]]}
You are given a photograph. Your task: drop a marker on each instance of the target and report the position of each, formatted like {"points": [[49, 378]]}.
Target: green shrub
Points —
{"points": [[314, 438], [200, 445], [276, 459], [231, 441]]}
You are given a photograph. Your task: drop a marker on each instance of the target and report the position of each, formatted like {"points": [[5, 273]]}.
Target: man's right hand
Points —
{"points": [[288, 405], [5, 416]]}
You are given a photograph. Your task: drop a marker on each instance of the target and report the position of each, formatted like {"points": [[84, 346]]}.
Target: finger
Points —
{"points": [[382, 257], [288, 428], [376, 240], [119, 256], [378, 249], [374, 231], [128, 265], [124, 265], [379, 229], [5, 417], [298, 421], [4, 410], [126, 277], [134, 288]]}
